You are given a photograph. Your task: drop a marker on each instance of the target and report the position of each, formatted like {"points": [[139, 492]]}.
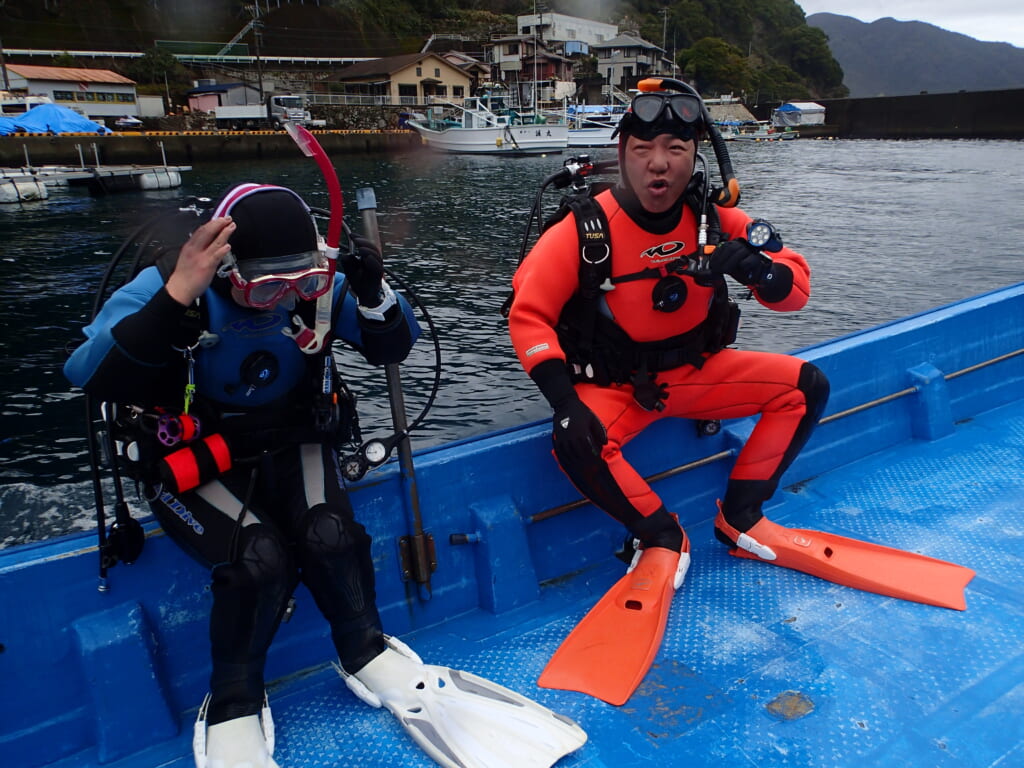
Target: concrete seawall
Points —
{"points": [[962, 115], [187, 148]]}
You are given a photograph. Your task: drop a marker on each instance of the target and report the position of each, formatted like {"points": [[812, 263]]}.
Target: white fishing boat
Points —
{"points": [[757, 131], [593, 125], [488, 125]]}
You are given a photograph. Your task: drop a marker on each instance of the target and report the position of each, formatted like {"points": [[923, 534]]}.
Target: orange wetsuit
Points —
{"points": [[787, 391]]}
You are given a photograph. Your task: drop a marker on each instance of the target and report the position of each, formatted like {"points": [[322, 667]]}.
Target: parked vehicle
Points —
{"points": [[276, 110]]}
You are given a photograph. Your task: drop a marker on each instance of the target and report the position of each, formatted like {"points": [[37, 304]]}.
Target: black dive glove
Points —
{"points": [[575, 429], [741, 261], [364, 270]]}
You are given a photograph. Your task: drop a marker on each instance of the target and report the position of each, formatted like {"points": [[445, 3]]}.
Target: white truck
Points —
{"points": [[277, 109]]}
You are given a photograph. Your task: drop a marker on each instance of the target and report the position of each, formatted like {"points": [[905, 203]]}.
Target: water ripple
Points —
{"points": [[889, 228]]}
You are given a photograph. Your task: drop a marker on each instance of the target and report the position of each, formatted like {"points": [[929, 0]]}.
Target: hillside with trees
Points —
{"points": [[897, 58], [761, 48]]}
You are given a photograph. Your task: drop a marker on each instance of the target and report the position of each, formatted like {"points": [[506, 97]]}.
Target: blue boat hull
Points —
{"points": [[921, 448]]}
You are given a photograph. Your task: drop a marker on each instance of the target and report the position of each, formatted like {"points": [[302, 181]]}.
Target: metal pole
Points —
{"points": [[3, 67], [420, 543]]}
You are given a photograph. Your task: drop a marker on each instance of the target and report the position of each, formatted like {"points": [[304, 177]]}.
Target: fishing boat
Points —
{"points": [[756, 131], [593, 125], [486, 558], [486, 124]]}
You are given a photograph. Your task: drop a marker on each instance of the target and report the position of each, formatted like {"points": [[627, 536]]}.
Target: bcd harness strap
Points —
{"points": [[598, 349]]}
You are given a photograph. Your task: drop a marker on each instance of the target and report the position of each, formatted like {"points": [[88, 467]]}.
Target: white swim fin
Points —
{"points": [[244, 742], [462, 720]]}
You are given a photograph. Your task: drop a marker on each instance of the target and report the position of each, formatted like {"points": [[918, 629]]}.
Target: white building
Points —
{"points": [[559, 27], [96, 93]]}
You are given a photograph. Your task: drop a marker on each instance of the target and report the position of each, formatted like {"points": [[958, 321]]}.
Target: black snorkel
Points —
{"points": [[729, 194]]}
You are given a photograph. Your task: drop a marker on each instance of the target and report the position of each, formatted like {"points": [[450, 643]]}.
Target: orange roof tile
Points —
{"points": [[74, 74]]}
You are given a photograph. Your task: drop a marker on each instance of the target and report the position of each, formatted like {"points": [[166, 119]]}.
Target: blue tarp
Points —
{"points": [[7, 126], [52, 118]]}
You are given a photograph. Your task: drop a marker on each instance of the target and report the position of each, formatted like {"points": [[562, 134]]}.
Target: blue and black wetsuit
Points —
{"points": [[283, 516]]}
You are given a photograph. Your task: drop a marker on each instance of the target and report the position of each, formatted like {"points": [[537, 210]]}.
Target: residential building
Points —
{"points": [[413, 79], [575, 33], [625, 60], [94, 93], [525, 63], [209, 94]]}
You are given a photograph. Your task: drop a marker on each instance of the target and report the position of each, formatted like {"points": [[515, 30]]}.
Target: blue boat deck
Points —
{"points": [[760, 666], [763, 666]]}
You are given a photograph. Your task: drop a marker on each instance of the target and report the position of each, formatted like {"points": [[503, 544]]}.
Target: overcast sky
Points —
{"points": [[1000, 21]]}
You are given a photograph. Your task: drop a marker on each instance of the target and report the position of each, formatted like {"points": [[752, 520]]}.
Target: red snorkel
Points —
{"points": [[311, 148], [313, 340]]}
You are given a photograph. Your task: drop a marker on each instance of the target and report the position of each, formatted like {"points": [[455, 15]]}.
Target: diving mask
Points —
{"points": [[262, 283]]}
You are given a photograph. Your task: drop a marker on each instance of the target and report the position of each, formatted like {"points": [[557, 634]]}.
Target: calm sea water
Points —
{"points": [[889, 228]]}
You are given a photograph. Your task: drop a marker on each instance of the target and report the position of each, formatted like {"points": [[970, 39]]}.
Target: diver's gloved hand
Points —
{"points": [[575, 429], [741, 261], [364, 270]]}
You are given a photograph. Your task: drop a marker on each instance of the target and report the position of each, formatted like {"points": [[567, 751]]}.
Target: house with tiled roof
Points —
{"points": [[412, 79], [95, 93], [626, 59]]}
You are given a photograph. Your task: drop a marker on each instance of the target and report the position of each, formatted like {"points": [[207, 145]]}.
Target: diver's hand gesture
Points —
{"points": [[199, 260], [364, 270], [741, 261]]}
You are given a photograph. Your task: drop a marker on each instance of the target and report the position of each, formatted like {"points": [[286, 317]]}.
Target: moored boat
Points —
{"points": [[593, 125], [488, 125], [918, 449], [758, 131]]}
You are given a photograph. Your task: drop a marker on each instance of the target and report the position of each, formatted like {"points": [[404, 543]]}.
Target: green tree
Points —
{"points": [[153, 66], [714, 66], [806, 51], [65, 59]]}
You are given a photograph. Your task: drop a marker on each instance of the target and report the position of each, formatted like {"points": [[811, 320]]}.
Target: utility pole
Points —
{"points": [[664, 34], [257, 34], [3, 66]]}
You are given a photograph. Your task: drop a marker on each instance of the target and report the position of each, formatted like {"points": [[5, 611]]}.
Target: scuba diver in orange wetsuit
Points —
{"points": [[655, 347], [651, 339]]}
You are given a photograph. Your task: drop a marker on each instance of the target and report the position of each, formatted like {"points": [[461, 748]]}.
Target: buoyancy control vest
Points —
{"points": [[597, 349], [255, 388]]}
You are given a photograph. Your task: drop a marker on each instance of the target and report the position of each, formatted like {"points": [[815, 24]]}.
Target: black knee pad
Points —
{"points": [[814, 384], [262, 560], [328, 530]]}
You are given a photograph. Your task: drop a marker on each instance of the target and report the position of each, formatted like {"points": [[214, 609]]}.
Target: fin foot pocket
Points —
{"points": [[461, 720]]}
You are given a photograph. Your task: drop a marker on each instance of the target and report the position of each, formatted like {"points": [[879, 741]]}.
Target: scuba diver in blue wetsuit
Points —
{"points": [[230, 406]]}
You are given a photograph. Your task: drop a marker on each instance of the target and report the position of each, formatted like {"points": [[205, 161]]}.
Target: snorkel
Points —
{"points": [[312, 341], [729, 195]]}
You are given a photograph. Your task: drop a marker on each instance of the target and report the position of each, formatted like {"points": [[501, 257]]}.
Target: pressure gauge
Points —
{"points": [[764, 236], [375, 452], [354, 467]]}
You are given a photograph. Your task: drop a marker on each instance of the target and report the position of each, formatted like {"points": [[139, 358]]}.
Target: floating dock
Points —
{"points": [[32, 183]]}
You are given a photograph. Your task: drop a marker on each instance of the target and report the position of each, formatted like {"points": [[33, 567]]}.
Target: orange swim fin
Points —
{"points": [[610, 650], [853, 563]]}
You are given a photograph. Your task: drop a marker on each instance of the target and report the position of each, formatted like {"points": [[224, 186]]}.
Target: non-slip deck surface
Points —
{"points": [[762, 666]]}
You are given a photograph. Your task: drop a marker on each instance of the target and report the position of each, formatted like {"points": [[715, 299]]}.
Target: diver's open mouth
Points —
{"points": [[658, 184]]}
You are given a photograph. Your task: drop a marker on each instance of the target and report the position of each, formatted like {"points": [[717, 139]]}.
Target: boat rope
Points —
{"points": [[697, 463]]}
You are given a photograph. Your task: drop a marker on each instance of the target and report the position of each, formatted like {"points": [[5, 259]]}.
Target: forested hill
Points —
{"points": [[760, 46], [897, 58]]}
